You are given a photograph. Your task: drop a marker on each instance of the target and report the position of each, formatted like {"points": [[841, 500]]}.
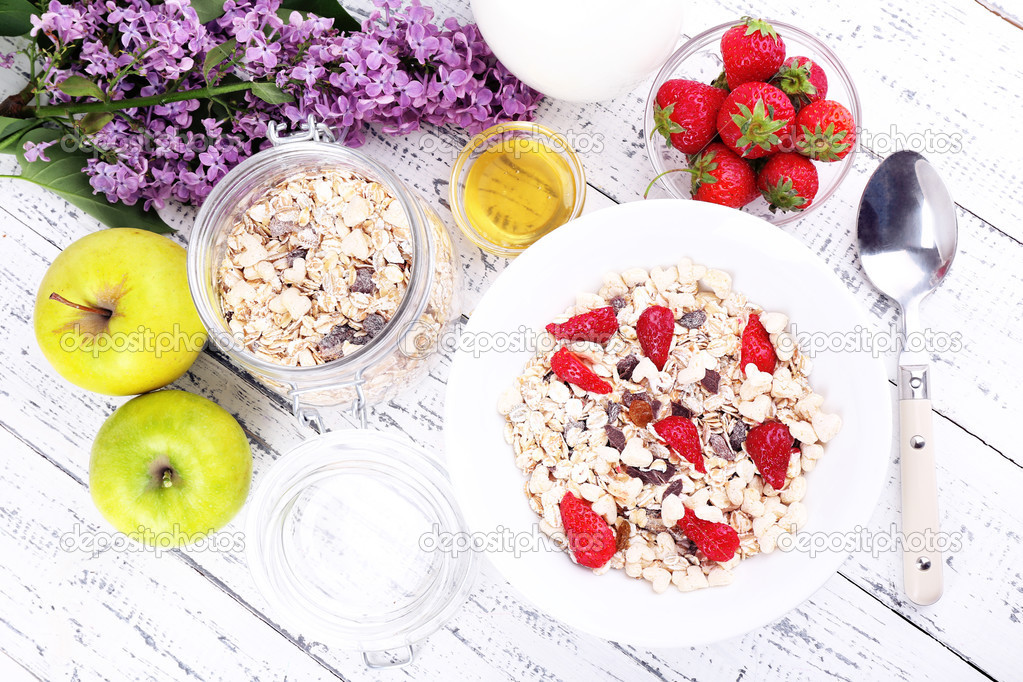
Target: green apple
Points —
{"points": [[170, 467], [114, 314]]}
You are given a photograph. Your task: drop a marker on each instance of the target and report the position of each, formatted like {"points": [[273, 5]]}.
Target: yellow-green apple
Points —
{"points": [[170, 467], [114, 314]]}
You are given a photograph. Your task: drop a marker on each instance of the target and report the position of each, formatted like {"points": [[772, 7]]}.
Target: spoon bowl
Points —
{"points": [[906, 228]]}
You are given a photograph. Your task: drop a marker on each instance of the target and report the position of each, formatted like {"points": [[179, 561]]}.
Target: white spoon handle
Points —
{"points": [[922, 562]]}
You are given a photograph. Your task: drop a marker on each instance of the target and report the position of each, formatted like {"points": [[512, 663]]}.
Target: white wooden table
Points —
{"points": [[949, 68]]}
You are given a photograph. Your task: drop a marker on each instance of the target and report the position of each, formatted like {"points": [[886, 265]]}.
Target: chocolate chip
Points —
{"points": [[547, 377], [617, 303], [613, 409], [680, 410], [626, 365], [228, 316], [651, 477], [738, 435], [711, 380], [363, 281], [373, 325], [628, 397], [615, 437], [693, 320], [655, 407], [674, 488], [329, 346], [295, 254], [721, 449]]}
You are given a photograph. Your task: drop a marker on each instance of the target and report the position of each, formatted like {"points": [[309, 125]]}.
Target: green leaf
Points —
{"points": [[343, 21], [93, 122], [270, 93], [78, 86], [12, 130], [63, 175], [14, 17], [208, 10], [216, 56]]}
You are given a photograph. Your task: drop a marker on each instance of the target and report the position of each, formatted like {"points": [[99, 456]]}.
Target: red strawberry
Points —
{"points": [[589, 537], [681, 435], [685, 113], [570, 368], [771, 446], [655, 328], [757, 347], [788, 181], [597, 326], [753, 119], [717, 541], [721, 177], [803, 80], [751, 51], [826, 131]]}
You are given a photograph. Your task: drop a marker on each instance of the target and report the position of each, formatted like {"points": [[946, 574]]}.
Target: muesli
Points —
{"points": [[315, 268], [666, 426]]}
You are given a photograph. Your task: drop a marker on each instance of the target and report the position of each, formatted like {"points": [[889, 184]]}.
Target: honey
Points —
{"points": [[517, 191]]}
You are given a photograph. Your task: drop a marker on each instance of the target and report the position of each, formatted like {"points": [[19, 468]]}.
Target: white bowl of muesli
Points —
{"points": [[657, 427]]}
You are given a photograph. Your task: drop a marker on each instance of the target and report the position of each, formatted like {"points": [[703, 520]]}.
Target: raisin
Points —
{"points": [[363, 281], [640, 413], [373, 325], [693, 320], [330, 345]]}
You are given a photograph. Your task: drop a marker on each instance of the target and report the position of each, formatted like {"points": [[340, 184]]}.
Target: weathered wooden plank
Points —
{"points": [[116, 615]]}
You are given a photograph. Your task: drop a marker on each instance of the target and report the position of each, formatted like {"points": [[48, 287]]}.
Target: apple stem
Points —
{"points": [[84, 308], [167, 478]]}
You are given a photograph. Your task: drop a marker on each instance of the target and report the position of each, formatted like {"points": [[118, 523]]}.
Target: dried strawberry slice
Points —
{"points": [[681, 434], [570, 368], [718, 541], [597, 326], [591, 540], [771, 446], [655, 328], [757, 347]]}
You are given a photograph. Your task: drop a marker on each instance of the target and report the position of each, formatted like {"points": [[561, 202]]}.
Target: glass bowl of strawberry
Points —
{"points": [[753, 114]]}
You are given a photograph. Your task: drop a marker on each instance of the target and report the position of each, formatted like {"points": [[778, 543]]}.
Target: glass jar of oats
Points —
{"points": [[315, 269]]}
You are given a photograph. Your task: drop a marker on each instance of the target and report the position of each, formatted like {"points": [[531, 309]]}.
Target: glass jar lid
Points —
{"points": [[343, 542]]}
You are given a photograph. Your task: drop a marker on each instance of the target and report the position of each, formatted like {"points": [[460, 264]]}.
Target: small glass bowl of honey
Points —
{"points": [[512, 184]]}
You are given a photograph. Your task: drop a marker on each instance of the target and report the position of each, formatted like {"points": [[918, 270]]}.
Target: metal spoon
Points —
{"points": [[907, 235]]}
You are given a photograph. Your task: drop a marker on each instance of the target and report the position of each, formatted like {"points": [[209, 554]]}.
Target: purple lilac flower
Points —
{"points": [[36, 151], [400, 72]]}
